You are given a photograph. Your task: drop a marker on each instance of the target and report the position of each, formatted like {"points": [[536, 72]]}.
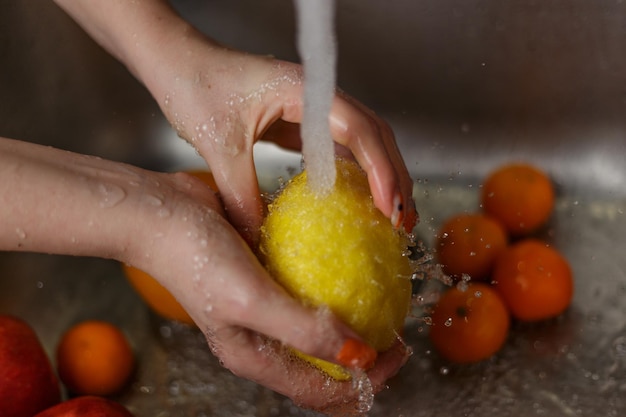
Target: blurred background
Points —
{"points": [[466, 85], [453, 77]]}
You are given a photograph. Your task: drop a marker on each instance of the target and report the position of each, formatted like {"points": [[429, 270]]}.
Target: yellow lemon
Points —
{"points": [[338, 250]]}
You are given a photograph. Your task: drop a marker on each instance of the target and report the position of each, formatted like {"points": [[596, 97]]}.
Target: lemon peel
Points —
{"points": [[340, 252]]}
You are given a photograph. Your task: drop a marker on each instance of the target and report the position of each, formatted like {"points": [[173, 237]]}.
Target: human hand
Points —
{"points": [[251, 324], [172, 226], [223, 101]]}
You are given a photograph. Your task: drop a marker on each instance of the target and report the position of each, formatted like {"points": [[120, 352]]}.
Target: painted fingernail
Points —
{"points": [[412, 216], [397, 214], [356, 354]]}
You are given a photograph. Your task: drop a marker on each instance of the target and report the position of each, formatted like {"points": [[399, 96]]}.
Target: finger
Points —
{"points": [[388, 138], [267, 362], [406, 182], [371, 141], [388, 364], [316, 332]]}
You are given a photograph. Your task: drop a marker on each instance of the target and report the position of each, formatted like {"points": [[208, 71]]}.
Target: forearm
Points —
{"points": [[162, 50], [61, 202], [58, 202], [135, 32]]}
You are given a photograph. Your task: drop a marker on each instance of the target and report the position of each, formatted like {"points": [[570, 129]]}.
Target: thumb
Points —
{"points": [[316, 332]]}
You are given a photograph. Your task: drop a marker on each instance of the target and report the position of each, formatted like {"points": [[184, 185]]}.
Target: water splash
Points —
{"points": [[363, 385]]}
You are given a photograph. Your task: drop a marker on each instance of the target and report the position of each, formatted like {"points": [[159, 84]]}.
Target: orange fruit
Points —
{"points": [[469, 325], [534, 280], [94, 358], [156, 296], [520, 196], [468, 244]]}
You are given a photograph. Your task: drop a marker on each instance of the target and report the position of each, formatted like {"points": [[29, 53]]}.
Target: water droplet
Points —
{"points": [[448, 322], [146, 389], [20, 233], [444, 370], [362, 383], [110, 194], [166, 332], [153, 200], [174, 388], [619, 347], [164, 212]]}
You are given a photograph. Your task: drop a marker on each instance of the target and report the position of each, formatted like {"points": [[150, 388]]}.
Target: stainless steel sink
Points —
{"points": [[466, 85]]}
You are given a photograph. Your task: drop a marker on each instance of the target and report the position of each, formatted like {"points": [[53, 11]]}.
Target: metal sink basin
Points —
{"points": [[466, 85]]}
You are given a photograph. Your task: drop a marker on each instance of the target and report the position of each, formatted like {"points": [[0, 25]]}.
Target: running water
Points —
{"points": [[318, 52]]}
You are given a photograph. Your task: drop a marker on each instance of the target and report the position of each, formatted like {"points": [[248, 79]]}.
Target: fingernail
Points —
{"points": [[397, 214], [356, 354], [412, 216]]}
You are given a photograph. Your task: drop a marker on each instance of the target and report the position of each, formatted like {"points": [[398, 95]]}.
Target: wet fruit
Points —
{"points": [[468, 244], [87, 406], [27, 381], [520, 196], [534, 280], [469, 324], [94, 358], [338, 250]]}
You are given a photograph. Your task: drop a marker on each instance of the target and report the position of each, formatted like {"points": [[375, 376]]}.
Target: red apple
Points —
{"points": [[27, 382], [87, 406]]}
